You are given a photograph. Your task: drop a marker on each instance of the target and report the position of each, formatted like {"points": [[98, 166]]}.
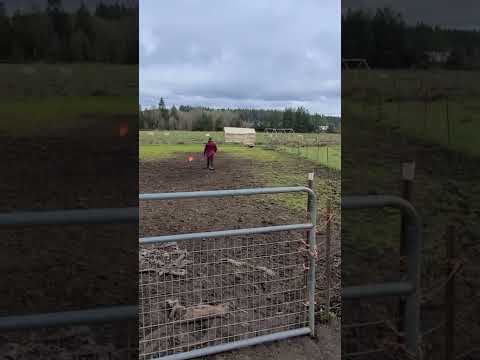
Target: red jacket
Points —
{"points": [[210, 149]]}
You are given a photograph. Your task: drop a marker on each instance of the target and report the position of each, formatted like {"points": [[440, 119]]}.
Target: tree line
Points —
{"points": [[385, 40], [208, 119], [54, 35]]}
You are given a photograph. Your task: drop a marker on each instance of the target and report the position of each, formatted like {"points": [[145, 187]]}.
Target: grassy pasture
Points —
{"points": [[449, 123], [329, 156], [151, 137], [153, 152], [163, 143], [423, 104], [271, 168], [45, 80], [52, 115], [41, 99]]}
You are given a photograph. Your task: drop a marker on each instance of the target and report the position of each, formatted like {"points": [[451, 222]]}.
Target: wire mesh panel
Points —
{"points": [[206, 292]]}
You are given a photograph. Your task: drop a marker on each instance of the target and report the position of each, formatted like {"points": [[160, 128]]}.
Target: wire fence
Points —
{"points": [[436, 108], [318, 147], [204, 293], [380, 335], [421, 105], [328, 155], [447, 329]]}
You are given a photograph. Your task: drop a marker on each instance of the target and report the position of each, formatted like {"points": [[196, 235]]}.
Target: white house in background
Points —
{"points": [[246, 136], [323, 127], [437, 57]]}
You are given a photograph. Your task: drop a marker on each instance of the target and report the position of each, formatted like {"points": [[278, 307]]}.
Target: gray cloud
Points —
{"points": [[256, 54]]}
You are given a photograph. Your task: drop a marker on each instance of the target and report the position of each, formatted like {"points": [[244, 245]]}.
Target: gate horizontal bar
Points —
{"points": [[224, 193], [379, 201], [222, 233], [68, 318], [237, 344], [71, 217], [374, 290]]}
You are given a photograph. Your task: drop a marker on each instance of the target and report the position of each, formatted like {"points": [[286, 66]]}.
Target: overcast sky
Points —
{"points": [[255, 54]]}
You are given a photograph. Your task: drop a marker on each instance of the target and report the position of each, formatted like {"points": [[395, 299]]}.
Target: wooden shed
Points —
{"points": [[246, 136]]}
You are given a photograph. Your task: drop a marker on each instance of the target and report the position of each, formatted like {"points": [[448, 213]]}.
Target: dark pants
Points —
{"points": [[210, 161]]}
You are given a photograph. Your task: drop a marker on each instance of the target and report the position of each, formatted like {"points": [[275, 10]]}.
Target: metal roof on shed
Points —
{"points": [[236, 130]]}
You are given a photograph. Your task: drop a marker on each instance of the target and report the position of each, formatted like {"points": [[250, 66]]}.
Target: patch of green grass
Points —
{"points": [[329, 156], [42, 116], [38, 99], [438, 106], [41, 80], [275, 168], [150, 137], [453, 125], [271, 168], [159, 151]]}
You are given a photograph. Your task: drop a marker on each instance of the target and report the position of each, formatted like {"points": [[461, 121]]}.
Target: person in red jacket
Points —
{"points": [[209, 152]]}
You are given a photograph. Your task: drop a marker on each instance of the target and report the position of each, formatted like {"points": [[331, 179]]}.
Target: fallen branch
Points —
{"points": [[237, 263], [197, 312]]}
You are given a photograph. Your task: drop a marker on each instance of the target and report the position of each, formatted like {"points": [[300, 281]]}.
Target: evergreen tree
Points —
{"points": [[289, 119], [141, 118], [219, 123], [164, 115], [83, 22], [203, 123], [174, 119], [302, 120], [5, 34], [174, 113]]}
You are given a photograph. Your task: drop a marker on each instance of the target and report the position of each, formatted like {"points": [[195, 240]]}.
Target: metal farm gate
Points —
{"points": [[208, 292], [100, 315], [410, 287], [258, 291]]}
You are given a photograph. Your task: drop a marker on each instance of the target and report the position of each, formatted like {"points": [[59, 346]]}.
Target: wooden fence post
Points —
{"points": [[425, 112], [379, 108], [447, 113], [310, 180], [450, 296], [327, 155], [311, 177], [328, 260], [408, 175]]}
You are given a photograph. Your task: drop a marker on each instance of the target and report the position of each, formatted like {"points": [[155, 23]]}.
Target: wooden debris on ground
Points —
{"points": [[196, 312], [238, 263], [164, 259]]}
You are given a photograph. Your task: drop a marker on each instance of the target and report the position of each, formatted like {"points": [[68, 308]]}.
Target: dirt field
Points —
{"points": [[52, 269], [59, 268], [270, 293]]}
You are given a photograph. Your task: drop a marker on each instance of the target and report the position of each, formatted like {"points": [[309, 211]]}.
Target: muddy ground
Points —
{"points": [[251, 283], [49, 269], [58, 268]]}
